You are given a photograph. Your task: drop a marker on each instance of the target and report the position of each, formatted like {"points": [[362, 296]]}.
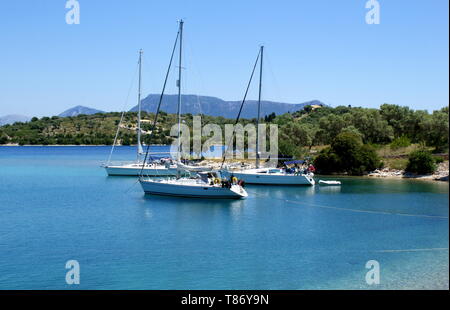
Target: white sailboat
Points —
{"points": [[272, 176], [269, 176], [155, 168], [192, 168], [205, 184], [150, 169]]}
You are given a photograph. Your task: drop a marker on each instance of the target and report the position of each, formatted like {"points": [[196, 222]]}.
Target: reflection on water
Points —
{"points": [[195, 203], [330, 189], [280, 192], [189, 208], [366, 185]]}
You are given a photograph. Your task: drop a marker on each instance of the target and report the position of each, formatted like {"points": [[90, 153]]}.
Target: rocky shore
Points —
{"points": [[441, 173]]}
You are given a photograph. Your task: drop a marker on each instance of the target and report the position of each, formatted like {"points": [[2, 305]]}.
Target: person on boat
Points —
{"points": [[233, 180], [226, 183], [311, 168]]}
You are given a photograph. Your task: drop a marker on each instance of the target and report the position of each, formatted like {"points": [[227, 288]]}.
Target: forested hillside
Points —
{"points": [[299, 131]]}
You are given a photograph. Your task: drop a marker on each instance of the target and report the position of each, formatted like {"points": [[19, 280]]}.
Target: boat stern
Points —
{"points": [[310, 179], [239, 191]]}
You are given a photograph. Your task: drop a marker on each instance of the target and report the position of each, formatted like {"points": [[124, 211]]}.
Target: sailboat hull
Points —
{"points": [[266, 178], [192, 190], [193, 168], [135, 170]]}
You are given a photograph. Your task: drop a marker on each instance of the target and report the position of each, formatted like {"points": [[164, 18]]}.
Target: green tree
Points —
{"points": [[308, 108], [295, 138], [370, 123], [330, 126], [396, 117], [435, 130], [3, 138], [400, 142], [421, 162], [347, 154], [353, 130]]}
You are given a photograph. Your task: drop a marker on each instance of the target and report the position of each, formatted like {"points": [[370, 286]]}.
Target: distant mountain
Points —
{"points": [[11, 119], [208, 105], [217, 107], [79, 110]]}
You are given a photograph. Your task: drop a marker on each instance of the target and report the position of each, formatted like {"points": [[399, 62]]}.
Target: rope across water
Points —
{"points": [[350, 209]]}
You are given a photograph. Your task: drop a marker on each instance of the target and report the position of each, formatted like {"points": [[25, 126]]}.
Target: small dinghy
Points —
{"points": [[322, 182]]}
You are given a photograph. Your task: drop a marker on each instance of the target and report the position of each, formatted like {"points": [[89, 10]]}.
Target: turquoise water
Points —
{"points": [[57, 204]]}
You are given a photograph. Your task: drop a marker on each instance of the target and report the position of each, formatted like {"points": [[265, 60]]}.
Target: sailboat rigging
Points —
{"points": [[139, 131], [275, 176], [155, 168], [204, 184]]}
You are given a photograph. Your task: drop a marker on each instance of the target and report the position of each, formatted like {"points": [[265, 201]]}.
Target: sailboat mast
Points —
{"points": [[179, 92], [259, 106], [139, 146]]}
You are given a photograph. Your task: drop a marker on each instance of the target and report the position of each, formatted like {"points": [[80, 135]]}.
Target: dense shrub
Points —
{"points": [[327, 161], [347, 154], [421, 162], [402, 141], [3, 139], [438, 160]]}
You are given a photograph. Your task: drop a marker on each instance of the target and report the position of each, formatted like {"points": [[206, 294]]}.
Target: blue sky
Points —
{"points": [[320, 49]]}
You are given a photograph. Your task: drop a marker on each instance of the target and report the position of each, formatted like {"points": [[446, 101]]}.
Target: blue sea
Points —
{"points": [[57, 204]]}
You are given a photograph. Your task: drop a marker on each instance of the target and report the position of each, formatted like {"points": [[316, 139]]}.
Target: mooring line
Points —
{"points": [[340, 251], [131, 186], [412, 250], [353, 210]]}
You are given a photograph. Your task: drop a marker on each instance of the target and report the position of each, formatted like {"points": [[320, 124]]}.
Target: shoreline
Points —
{"points": [[441, 174], [62, 145], [425, 178]]}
